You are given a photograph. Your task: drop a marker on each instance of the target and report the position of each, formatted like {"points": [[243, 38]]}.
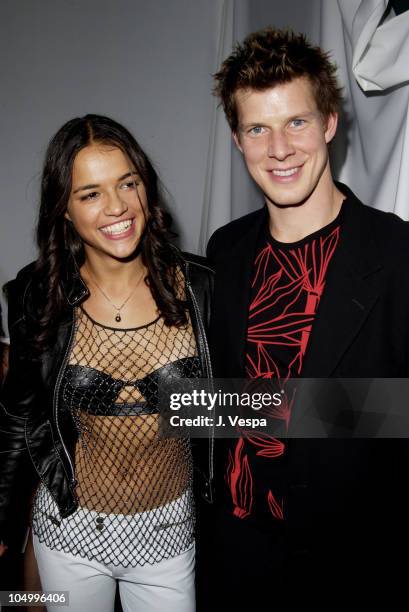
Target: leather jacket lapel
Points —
{"points": [[75, 290]]}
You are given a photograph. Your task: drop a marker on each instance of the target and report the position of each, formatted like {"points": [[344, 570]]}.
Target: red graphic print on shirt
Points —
{"points": [[286, 289], [240, 481]]}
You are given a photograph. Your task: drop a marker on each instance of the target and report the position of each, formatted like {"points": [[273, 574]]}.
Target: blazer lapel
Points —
{"points": [[232, 291], [352, 288]]}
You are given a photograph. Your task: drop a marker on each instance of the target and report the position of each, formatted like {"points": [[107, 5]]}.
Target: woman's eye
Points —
{"points": [[90, 196], [129, 185]]}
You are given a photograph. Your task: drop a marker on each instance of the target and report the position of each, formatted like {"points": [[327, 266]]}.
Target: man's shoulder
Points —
{"points": [[387, 227], [382, 216], [239, 226], [228, 235], [389, 232]]}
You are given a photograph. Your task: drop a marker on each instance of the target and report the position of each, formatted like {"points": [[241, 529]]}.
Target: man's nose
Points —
{"points": [[279, 145]]}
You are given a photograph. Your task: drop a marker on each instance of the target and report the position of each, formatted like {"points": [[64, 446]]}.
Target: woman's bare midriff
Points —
{"points": [[136, 459]]}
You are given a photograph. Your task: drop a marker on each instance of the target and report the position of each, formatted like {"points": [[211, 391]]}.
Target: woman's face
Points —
{"points": [[108, 202]]}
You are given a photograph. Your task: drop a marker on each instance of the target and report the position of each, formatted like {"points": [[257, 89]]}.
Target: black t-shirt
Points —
{"points": [[287, 284]]}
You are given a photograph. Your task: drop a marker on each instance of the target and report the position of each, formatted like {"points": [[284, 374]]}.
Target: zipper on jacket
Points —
{"points": [[55, 397], [209, 371]]}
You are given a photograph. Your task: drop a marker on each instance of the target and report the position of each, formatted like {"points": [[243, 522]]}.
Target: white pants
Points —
{"points": [[167, 586]]}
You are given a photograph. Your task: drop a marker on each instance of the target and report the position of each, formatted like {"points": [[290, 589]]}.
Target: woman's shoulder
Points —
{"points": [[199, 274], [197, 261], [17, 292], [20, 285]]}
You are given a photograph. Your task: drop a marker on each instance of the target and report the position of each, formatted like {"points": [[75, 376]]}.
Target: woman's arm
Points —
{"points": [[16, 401], [4, 360]]}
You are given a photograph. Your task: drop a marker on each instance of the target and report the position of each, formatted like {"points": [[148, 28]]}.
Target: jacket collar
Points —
{"points": [[74, 288]]}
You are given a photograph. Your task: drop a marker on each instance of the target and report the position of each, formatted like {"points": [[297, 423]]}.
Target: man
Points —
{"points": [[315, 284]]}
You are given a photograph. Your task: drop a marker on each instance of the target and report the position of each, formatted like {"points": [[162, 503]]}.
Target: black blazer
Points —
{"points": [[337, 487], [362, 326]]}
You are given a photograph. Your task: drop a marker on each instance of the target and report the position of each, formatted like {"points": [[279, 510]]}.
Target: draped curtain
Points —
{"points": [[369, 41]]}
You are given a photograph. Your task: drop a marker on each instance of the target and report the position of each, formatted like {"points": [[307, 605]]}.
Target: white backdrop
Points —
{"points": [[373, 55]]}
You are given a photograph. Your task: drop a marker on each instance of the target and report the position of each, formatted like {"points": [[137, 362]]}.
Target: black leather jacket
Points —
{"points": [[33, 431]]}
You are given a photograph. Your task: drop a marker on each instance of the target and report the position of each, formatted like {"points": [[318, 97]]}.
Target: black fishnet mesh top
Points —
{"points": [[134, 489]]}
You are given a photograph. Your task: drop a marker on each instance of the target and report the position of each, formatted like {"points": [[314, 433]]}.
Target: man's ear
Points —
{"points": [[236, 139], [331, 127]]}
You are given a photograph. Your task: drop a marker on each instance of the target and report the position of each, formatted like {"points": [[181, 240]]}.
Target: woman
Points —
{"points": [[4, 351], [109, 310]]}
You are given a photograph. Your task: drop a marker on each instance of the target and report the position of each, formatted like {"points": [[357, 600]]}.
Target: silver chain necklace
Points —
{"points": [[118, 309]]}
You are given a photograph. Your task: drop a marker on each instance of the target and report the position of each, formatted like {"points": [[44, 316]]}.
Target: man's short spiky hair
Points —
{"points": [[271, 57]]}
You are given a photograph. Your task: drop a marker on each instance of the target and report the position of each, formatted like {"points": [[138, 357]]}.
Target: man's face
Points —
{"points": [[284, 138]]}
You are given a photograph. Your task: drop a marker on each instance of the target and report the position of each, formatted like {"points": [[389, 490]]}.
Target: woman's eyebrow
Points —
{"points": [[128, 174], [95, 185], [85, 187]]}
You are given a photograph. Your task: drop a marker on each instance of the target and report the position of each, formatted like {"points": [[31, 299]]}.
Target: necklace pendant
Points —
{"points": [[118, 318]]}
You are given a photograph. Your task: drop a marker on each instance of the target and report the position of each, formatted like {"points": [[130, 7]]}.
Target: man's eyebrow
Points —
{"points": [[301, 115], [94, 186]]}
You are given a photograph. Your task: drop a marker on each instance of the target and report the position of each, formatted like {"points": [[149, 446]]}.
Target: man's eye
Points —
{"points": [[256, 130], [297, 122], [90, 196]]}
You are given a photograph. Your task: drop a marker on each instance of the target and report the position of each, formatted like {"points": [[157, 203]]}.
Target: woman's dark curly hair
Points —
{"points": [[57, 238]]}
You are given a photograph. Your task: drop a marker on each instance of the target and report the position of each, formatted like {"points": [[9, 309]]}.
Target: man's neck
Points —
{"points": [[294, 223]]}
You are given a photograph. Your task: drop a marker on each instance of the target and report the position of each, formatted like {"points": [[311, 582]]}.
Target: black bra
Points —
{"points": [[94, 392]]}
